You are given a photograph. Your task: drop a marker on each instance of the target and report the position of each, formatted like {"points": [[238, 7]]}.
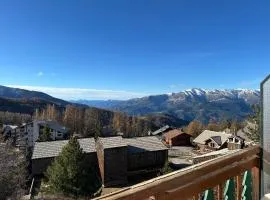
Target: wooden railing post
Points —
{"points": [[255, 183], [219, 192], [238, 187]]}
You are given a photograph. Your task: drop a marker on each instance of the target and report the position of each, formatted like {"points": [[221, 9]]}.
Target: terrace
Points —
{"points": [[234, 176]]}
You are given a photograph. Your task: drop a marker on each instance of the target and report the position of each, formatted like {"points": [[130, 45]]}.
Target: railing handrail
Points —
{"points": [[194, 179]]}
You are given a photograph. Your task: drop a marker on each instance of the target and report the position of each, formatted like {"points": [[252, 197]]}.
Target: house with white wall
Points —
{"points": [[27, 134]]}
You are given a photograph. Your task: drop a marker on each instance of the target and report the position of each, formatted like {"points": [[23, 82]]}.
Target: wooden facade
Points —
{"points": [[112, 160], [177, 137], [39, 166], [145, 154], [45, 152], [149, 160]]}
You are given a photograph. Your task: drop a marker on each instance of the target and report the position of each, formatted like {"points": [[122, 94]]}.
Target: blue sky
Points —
{"points": [[129, 48]]}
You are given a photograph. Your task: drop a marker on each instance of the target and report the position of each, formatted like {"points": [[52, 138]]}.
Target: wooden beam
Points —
{"points": [[219, 192], [255, 183], [189, 181], [238, 187]]}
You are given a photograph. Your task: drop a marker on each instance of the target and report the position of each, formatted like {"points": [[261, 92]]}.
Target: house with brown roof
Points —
{"points": [[177, 137]]}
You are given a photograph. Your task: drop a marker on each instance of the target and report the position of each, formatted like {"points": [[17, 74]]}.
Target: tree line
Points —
{"points": [[89, 122], [14, 118], [195, 127]]}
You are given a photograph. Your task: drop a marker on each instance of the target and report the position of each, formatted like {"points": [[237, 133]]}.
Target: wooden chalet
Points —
{"points": [[112, 159], [177, 137]]}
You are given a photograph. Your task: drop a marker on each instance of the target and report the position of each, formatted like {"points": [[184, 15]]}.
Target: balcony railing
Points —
{"points": [[234, 176]]}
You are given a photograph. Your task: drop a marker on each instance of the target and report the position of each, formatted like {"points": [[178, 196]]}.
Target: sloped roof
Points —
{"points": [[53, 148], [112, 142], [161, 130], [217, 139], [237, 137], [10, 126], [205, 135], [142, 144], [173, 133]]}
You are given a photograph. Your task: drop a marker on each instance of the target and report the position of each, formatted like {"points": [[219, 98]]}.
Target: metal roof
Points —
{"points": [[142, 144], [112, 142], [53, 148]]}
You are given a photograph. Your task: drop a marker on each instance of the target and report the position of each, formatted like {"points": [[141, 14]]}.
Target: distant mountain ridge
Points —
{"points": [[196, 103], [16, 93], [26, 101]]}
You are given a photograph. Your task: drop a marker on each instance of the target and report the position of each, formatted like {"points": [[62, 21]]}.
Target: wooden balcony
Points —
{"points": [[234, 176]]}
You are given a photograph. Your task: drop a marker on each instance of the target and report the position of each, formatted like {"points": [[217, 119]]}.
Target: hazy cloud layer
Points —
{"points": [[82, 93]]}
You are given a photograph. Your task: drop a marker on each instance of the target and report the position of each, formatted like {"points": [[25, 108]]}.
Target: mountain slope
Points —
{"points": [[203, 105], [16, 93], [25, 101]]}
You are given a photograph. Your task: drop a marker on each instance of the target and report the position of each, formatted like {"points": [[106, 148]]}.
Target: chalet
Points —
{"points": [[212, 140], [161, 131], [177, 137], [235, 142], [45, 152], [112, 160], [145, 154]]}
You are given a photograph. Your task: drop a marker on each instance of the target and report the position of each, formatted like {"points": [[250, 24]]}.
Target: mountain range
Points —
{"points": [[178, 108], [196, 103]]}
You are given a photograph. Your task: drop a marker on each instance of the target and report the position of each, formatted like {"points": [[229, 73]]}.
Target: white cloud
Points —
{"points": [[83, 93], [40, 74]]}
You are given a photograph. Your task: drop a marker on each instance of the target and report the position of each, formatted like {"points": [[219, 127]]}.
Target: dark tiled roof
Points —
{"points": [[142, 144], [112, 142], [53, 148]]}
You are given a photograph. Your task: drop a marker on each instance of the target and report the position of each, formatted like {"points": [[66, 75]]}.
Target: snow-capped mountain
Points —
{"points": [[192, 104]]}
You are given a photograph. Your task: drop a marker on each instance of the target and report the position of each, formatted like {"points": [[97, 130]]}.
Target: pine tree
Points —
{"points": [[45, 135], [71, 174]]}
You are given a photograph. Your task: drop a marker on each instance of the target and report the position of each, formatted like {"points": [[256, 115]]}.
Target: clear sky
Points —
{"points": [[104, 49]]}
